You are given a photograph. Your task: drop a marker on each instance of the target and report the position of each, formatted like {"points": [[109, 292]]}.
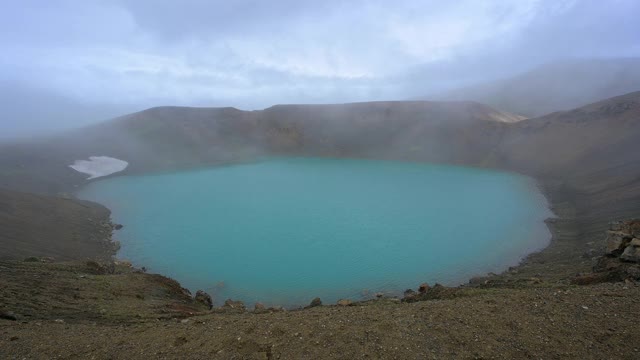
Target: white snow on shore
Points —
{"points": [[98, 166]]}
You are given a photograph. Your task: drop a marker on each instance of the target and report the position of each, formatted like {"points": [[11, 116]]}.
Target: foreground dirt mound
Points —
{"points": [[77, 292], [549, 322]]}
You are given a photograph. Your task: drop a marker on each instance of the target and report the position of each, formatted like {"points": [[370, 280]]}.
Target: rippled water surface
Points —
{"points": [[286, 230]]}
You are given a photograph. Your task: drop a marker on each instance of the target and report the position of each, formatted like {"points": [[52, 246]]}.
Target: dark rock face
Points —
{"points": [[204, 299], [315, 302], [8, 315]]}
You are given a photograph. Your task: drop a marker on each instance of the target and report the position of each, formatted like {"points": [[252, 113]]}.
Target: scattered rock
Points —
{"points": [[59, 321], [204, 298], [344, 302], [142, 270], [590, 279], [96, 268], [379, 295], [258, 307], [409, 294], [234, 305], [315, 302]]}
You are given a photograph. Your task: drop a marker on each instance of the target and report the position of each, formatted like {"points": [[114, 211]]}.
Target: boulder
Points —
{"points": [[631, 253], [315, 302], [616, 242], [259, 307], [117, 226], [424, 287], [634, 228], [204, 298], [344, 302]]}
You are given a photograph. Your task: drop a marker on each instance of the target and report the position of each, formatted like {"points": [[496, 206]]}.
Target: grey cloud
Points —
{"points": [[125, 54]]}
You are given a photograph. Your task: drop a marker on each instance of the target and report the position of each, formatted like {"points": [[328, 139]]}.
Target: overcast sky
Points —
{"points": [[64, 63]]}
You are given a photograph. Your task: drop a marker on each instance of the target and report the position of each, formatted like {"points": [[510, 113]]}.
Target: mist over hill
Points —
{"points": [[586, 148], [170, 138], [555, 86]]}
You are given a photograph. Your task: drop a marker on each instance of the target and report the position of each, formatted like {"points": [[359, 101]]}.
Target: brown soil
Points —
{"points": [[106, 319]]}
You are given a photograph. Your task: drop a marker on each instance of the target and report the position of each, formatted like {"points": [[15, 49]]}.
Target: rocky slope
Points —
{"points": [[584, 160], [45, 226]]}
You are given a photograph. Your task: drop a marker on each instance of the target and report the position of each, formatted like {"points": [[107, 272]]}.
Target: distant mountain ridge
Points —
{"points": [[465, 133], [555, 87], [170, 138]]}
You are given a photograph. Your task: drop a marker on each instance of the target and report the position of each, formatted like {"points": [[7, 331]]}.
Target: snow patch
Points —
{"points": [[98, 166]]}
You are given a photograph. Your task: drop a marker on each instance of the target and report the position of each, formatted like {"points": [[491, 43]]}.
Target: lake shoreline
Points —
{"points": [[559, 227]]}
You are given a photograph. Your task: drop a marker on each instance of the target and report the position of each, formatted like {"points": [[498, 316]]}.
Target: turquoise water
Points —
{"points": [[286, 230]]}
